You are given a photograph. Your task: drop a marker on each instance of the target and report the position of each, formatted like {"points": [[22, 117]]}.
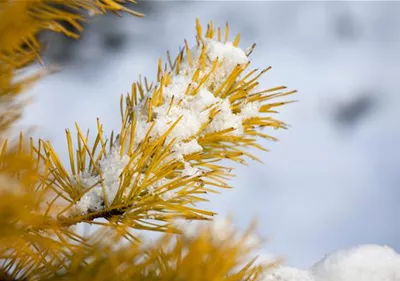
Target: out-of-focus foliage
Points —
{"points": [[20, 25], [21, 22], [169, 258], [41, 199]]}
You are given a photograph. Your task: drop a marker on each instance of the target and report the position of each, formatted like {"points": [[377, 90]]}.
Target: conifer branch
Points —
{"points": [[203, 109], [166, 156]]}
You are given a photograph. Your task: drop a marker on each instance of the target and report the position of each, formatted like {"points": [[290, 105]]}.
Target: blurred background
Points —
{"points": [[333, 179]]}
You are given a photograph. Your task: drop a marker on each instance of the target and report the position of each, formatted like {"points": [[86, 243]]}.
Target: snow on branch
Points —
{"points": [[205, 106]]}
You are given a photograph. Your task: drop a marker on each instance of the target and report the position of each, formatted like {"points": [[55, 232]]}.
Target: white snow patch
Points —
{"points": [[360, 263], [111, 168]]}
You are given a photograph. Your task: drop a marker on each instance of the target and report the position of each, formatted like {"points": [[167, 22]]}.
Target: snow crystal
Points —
{"points": [[91, 201], [226, 119], [185, 148], [84, 179], [250, 110], [228, 56], [111, 167], [189, 171]]}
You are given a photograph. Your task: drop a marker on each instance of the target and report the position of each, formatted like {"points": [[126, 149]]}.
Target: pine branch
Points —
{"points": [[203, 109], [166, 156]]}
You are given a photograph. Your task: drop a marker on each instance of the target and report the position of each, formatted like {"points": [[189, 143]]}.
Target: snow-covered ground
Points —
{"points": [[361, 263], [331, 182]]}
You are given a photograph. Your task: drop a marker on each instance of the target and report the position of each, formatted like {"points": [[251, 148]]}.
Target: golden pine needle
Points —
{"points": [[202, 58], [171, 103], [226, 32], [236, 41], [132, 130], [199, 30], [231, 79], [124, 133], [86, 149], [95, 145], [196, 76], [250, 51], [134, 94], [178, 62], [100, 133], [159, 70], [70, 151], [188, 89], [150, 110], [189, 56], [121, 106], [205, 78]]}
